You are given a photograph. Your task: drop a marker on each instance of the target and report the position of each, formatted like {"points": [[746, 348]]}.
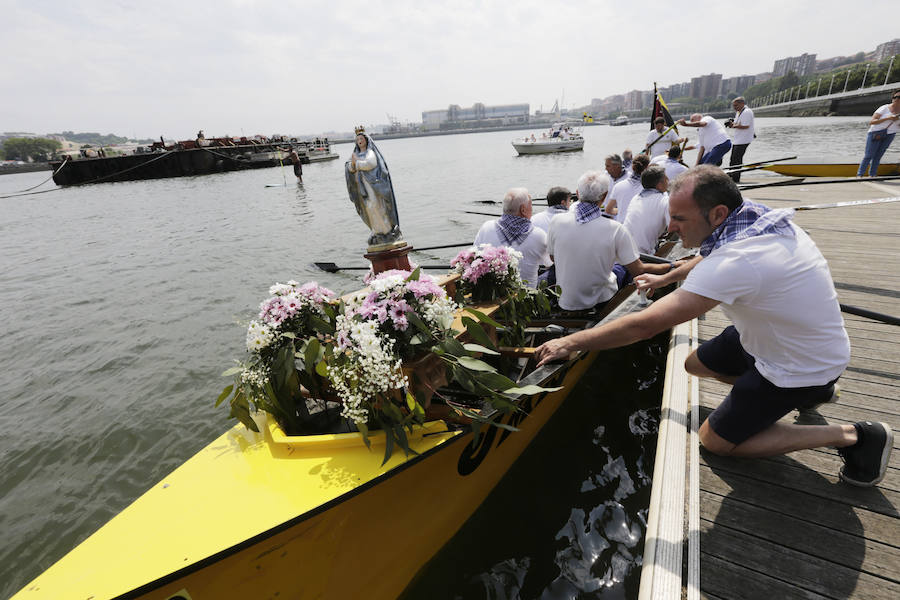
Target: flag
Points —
{"points": [[660, 109]]}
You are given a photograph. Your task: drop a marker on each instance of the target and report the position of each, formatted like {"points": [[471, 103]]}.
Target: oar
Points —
{"points": [[441, 247], [753, 186], [848, 203], [817, 181], [535, 201], [333, 268], [762, 162], [868, 314], [473, 212]]}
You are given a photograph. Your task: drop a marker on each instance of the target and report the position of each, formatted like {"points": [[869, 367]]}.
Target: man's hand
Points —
{"points": [[556, 349], [649, 283]]}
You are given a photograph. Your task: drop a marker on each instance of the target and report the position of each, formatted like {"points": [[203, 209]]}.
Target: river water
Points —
{"points": [[120, 305]]}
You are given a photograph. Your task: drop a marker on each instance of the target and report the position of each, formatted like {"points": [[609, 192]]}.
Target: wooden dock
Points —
{"points": [[787, 527]]}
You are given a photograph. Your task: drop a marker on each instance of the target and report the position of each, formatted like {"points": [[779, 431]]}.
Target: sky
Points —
{"points": [[145, 69]]}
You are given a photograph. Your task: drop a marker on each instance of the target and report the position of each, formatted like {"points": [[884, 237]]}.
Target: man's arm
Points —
{"points": [[677, 307], [648, 281]]}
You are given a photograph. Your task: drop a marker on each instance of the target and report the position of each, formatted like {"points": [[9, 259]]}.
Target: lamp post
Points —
{"points": [[890, 66], [832, 83], [846, 81], [818, 85], [863, 84]]}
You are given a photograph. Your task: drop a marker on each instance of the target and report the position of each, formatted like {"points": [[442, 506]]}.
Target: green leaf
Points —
{"points": [[473, 364], [483, 317], [322, 368], [225, 393], [311, 355], [453, 347], [413, 318], [388, 445], [479, 348], [410, 401], [289, 334], [232, 371], [414, 276], [464, 378], [495, 381], [530, 390], [478, 333], [320, 325], [364, 430]]}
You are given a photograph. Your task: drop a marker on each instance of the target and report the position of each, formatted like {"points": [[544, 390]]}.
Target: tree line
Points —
{"points": [[29, 149]]}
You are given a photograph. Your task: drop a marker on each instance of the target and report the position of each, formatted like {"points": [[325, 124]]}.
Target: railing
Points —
{"points": [[793, 94]]}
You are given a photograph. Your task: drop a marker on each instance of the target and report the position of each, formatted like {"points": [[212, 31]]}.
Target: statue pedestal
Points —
{"points": [[394, 258]]}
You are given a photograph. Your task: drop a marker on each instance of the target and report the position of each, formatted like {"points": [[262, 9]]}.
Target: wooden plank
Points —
{"points": [[838, 515], [725, 579], [851, 551], [807, 573]]}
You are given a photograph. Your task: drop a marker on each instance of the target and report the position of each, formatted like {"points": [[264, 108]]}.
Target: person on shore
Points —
{"points": [[883, 126], [714, 142], [589, 251], [558, 201], [621, 194], [744, 132], [648, 213], [673, 165], [659, 143], [515, 229], [788, 345]]}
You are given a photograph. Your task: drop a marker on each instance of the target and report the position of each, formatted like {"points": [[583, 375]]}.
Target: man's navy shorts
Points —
{"points": [[754, 402]]}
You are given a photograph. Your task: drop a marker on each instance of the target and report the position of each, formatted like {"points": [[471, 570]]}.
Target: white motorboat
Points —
{"points": [[620, 120], [562, 137]]}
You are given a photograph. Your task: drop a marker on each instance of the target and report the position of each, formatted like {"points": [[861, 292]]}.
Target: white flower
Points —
{"points": [[259, 336]]}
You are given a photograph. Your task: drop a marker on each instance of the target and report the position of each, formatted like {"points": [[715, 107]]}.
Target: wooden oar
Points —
{"points": [[848, 203], [868, 314], [333, 268], [753, 186], [762, 162], [535, 201], [441, 247], [474, 212], [818, 181]]}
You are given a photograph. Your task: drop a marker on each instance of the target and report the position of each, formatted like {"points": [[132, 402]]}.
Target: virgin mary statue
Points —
{"points": [[371, 191]]}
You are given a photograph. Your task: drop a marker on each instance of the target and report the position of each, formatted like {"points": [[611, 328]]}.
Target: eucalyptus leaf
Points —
{"points": [[232, 371], [320, 325], [483, 317], [322, 368], [311, 355], [414, 276], [530, 390], [364, 430], [417, 321], [410, 401], [225, 393], [478, 333], [473, 364], [289, 334], [495, 381], [388, 445], [479, 348]]}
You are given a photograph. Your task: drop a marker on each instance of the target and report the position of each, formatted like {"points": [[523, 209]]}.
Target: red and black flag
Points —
{"points": [[660, 109]]}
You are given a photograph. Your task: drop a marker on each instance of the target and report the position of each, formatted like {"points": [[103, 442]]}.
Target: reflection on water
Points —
{"points": [[568, 519]]}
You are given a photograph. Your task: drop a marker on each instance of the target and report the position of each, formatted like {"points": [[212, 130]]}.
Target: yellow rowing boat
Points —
{"points": [[828, 169], [266, 515]]}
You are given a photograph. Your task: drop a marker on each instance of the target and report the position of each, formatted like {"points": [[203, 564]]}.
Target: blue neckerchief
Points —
{"points": [[748, 220], [586, 211], [513, 228]]}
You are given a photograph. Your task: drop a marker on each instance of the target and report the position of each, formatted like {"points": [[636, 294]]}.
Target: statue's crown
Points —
{"points": [[359, 129]]}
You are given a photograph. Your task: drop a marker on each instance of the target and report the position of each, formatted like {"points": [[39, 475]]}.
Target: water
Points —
{"points": [[121, 303]]}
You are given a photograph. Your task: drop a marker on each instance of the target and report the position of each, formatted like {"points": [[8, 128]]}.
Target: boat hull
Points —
{"points": [[247, 535], [548, 148], [828, 170]]}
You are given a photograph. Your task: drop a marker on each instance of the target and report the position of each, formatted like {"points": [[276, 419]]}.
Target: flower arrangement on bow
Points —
{"points": [[268, 378], [488, 272]]}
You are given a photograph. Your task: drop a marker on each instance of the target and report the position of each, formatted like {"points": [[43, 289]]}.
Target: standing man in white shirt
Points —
{"points": [[744, 132], [714, 142], [788, 345], [514, 229], [657, 143]]}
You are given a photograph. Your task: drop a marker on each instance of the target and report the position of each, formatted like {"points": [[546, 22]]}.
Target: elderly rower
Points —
{"points": [[714, 142], [515, 229]]}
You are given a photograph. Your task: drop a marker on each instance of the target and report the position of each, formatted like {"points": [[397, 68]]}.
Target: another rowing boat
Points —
{"points": [[265, 515], [828, 169]]}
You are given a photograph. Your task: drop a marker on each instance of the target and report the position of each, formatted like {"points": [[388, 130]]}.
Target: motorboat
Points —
{"points": [[562, 137]]}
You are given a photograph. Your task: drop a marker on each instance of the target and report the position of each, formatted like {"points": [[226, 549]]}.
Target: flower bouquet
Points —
{"points": [[289, 319], [488, 272]]}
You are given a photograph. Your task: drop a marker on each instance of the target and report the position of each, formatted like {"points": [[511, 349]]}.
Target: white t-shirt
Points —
{"points": [[663, 145], [623, 192], [891, 126], [673, 168], [712, 135], [778, 292], [648, 217], [584, 254], [533, 249], [542, 219], [743, 136]]}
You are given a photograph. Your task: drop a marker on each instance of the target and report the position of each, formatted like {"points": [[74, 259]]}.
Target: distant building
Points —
{"points": [[736, 85], [634, 100], [676, 90], [887, 49], [478, 115], [706, 86], [805, 64]]}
